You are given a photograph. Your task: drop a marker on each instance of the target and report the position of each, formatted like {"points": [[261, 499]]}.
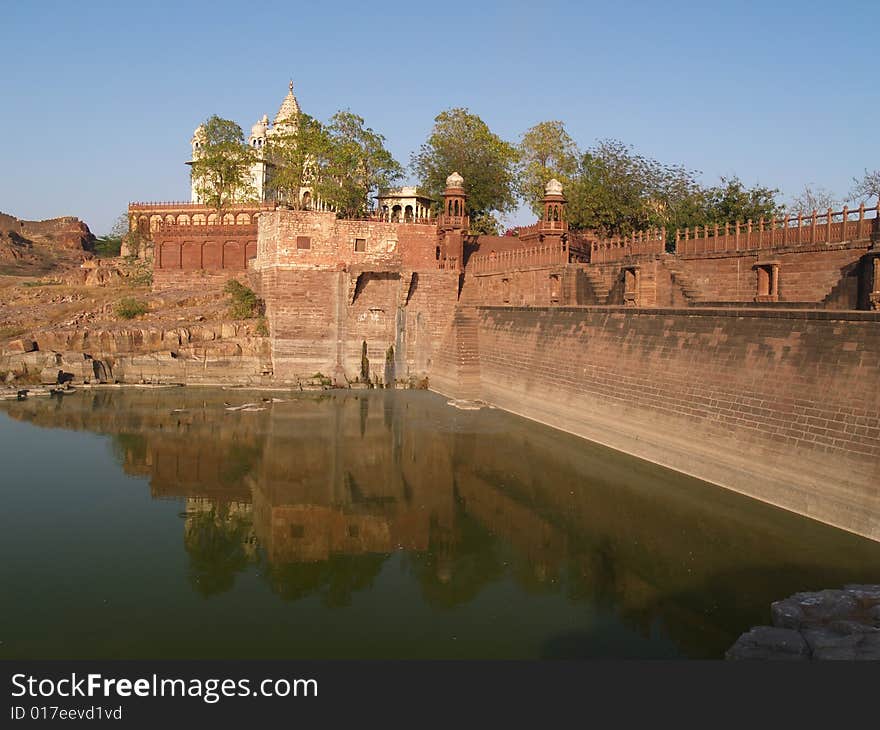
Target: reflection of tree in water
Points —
{"points": [[335, 580], [457, 566], [216, 540]]}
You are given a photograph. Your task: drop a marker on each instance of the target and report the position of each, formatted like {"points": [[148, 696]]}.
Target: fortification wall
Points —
{"points": [[779, 405]]}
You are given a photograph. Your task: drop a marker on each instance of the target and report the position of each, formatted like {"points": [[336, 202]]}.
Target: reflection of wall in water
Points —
{"points": [[351, 479]]}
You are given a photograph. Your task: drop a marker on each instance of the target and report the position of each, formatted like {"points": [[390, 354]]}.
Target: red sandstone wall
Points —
{"points": [[168, 279], [823, 275], [779, 405], [529, 287], [324, 301], [373, 318], [811, 275], [331, 242], [429, 314], [587, 284], [301, 307], [315, 324], [418, 246]]}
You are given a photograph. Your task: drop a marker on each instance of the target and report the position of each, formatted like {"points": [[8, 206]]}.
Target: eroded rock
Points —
{"points": [[831, 624]]}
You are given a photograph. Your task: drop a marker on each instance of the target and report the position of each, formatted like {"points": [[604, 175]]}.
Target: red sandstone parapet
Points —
{"points": [[829, 227]]}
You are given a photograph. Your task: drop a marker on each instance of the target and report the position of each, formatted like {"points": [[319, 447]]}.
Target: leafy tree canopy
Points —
{"points": [[732, 201], [617, 191], [546, 151], [462, 142], [221, 168], [297, 148], [354, 166]]}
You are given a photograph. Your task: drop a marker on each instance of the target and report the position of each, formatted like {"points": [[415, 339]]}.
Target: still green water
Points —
{"points": [[158, 523]]}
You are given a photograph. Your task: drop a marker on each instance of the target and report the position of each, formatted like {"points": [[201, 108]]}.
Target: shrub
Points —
{"points": [[365, 364], [141, 275], [245, 303], [129, 308], [108, 247]]}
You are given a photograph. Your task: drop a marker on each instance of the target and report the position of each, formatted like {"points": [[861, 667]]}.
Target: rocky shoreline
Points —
{"points": [[831, 624]]}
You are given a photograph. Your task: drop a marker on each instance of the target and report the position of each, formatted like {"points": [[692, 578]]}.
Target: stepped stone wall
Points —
{"points": [[780, 405], [827, 277]]}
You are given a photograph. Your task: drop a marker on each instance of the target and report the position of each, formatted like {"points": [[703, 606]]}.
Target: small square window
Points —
{"points": [[297, 530], [303, 242], [353, 531], [360, 245]]}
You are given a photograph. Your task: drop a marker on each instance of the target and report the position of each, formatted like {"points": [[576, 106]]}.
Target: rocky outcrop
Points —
{"points": [[210, 353], [41, 244], [66, 232], [830, 624]]}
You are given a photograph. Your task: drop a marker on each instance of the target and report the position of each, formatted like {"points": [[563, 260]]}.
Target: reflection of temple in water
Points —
{"points": [[324, 489]]}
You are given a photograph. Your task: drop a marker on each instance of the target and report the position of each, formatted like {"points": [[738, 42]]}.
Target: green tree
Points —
{"points": [[110, 244], [354, 167], [616, 190], [732, 201], [297, 149], [546, 151], [221, 168], [462, 142]]}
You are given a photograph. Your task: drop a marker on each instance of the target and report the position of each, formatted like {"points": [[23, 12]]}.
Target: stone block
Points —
{"points": [[770, 643], [21, 345]]}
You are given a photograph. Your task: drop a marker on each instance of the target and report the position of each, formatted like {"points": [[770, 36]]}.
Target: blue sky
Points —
{"points": [[98, 100]]}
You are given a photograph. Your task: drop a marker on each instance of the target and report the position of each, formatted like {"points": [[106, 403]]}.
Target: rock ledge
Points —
{"points": [[829, 624]]}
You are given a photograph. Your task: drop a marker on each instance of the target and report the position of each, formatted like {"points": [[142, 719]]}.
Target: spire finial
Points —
{"points": [[290, 86]]}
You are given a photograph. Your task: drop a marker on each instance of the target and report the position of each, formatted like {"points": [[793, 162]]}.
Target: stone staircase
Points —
{"points": [[455, 371], [599, 283], [685, 284], [837, 294], [467, 354]]}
